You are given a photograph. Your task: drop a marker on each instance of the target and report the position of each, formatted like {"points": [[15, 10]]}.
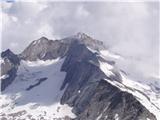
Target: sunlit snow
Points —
{"points": [[42, 100]]}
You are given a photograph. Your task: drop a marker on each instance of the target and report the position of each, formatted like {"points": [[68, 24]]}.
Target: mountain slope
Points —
{"points": [[85, 72], [73, 78]]}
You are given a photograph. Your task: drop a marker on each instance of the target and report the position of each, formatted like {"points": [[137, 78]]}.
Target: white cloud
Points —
{"points": [[6, 5], [13, 45], [14, 19], [81, 12], [45, 30]]}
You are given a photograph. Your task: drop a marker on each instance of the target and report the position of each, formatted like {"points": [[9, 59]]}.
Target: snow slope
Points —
{"points": [[35, 93]]}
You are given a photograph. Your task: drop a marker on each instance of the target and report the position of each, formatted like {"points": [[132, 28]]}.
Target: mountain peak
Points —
{"points": [[11, 56], [89, 41], [43, 38], [8, 52], [40, 40], [82, 35]]}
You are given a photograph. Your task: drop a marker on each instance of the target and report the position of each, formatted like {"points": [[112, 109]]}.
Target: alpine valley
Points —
{"points": [[75, 78]]}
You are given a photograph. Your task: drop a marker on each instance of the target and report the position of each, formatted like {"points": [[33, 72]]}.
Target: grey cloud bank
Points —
{"points": [[130, 29]]}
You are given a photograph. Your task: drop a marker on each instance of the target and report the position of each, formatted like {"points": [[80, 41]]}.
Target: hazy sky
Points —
{"points": [[130, 29]]}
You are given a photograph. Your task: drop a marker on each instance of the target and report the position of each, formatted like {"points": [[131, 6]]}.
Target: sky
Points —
{"points": [[127, 28]]}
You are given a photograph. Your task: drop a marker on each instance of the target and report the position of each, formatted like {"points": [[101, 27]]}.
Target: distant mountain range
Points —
{"points": [[75, 78]]}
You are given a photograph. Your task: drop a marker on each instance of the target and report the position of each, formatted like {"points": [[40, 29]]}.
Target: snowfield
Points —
{"points": [[35, 93]]}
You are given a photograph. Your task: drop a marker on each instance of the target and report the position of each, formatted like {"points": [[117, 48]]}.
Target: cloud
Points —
{"points": [[81, 12], [130, 29], [46, 30], [13, 45]]}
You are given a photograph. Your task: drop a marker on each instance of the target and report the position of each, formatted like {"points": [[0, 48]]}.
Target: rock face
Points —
{"points": [[9, 68], [44, 49], [85, 39], [91, 97], [110, 103], [82, 76]]}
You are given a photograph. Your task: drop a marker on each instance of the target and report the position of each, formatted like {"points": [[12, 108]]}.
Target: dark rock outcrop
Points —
{"points": [[9, 67]]}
